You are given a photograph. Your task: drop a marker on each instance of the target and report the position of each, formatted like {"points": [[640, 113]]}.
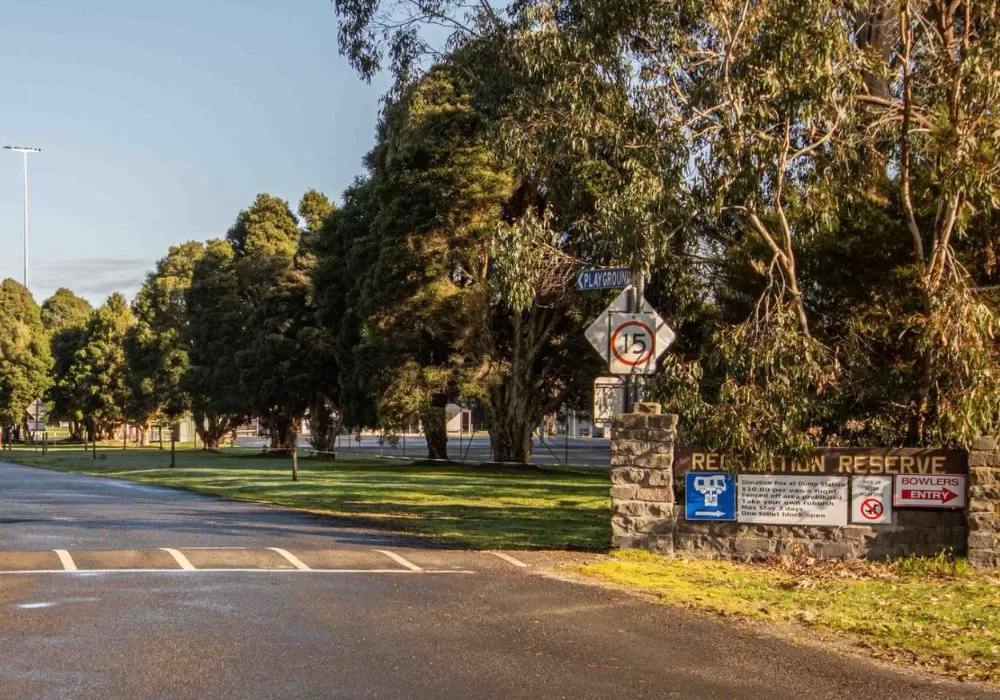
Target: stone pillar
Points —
{"points": [[642, 491], [984, 503]]}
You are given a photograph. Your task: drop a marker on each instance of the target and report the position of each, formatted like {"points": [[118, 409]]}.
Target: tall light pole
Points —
{"points": [[25, 150]]}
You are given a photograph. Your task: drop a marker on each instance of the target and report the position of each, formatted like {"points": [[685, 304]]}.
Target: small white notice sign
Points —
{"points": [[792, 500], [871, 500]]}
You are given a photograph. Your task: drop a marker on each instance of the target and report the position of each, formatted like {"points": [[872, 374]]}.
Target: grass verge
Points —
{"points": [[935, 613], [475, 507]]}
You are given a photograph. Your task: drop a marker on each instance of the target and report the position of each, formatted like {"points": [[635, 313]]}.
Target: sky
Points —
{"points": [[160, 121]]}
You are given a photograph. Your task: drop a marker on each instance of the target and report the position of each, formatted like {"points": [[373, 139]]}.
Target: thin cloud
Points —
{"points": [[93, 278]]}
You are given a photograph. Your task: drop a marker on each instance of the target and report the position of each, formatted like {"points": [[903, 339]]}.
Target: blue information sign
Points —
{"points": [[710, 496], [607, 278]]}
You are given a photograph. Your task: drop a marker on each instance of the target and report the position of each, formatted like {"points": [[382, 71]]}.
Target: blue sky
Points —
{"points": [[159, 121]]}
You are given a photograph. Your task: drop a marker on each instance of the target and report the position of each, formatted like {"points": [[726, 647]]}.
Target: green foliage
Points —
{"points": [[217, 317], [267, 227], [98, 375], [24, 353], [64, 310], [157, 345], [65, 317]]}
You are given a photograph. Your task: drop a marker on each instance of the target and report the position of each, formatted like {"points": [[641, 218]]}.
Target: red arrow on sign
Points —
{"points": [[944, 495]]}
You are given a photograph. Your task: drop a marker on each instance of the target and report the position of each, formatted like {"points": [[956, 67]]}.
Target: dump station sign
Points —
{"points": [[929, 491], [792, 500]]}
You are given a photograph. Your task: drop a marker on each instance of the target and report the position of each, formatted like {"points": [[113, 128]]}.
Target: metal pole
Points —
{"points": [[25, 154]]}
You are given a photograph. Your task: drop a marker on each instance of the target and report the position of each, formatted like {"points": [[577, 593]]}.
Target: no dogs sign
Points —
{"points": [[871, 500]]}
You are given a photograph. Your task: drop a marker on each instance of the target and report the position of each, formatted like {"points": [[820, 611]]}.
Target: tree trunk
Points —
{"points": [[211, 428], [283, 431], [321, 423], [510, 437], [144, 435], [435, 427]]}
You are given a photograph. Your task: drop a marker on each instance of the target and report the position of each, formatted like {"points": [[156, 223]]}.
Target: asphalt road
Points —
{"points": [[115, 590]]}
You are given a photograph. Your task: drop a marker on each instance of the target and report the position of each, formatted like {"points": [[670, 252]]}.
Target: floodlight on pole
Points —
{"points": [[25, 150]]}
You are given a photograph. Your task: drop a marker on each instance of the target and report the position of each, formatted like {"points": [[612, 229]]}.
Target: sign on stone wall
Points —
{"points": [[871, 500], [929, 491], [838, 461], [792, 500], [710, 496]]}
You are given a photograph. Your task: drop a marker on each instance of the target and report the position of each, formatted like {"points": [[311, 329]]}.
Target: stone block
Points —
{"points": [[754, 546], [978, 504], [983, 540], [983, 476], [985, 559], [985, 444], [659, 477], [655, 460], [628, 421], [622, 460], [648, 408], [623, 492], [663, 544], [659, 435], [984, 460], [655, 494], [836, 550], [858, 534], [627, 475], [984, 522], [624, 541], [629, 508]]}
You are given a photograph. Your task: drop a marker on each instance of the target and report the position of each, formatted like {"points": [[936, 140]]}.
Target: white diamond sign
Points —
{"points": [[630, 342]]}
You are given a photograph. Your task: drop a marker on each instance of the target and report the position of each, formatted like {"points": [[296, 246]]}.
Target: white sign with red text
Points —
{"points": [[929, 491]]}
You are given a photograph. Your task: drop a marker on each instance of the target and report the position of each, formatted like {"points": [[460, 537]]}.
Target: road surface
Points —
{"points": [[115, 590]]}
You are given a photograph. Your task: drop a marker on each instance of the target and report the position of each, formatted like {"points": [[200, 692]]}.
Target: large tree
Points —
{"points": [[157, 345], [98, 374], [24, 354], [216, 319], [65, 316]]}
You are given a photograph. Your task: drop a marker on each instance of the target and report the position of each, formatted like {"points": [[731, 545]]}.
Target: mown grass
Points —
{"points": [[475, 507], [935, 613]]}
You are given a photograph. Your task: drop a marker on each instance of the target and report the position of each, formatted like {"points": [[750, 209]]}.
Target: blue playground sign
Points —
{"points": [[607, 278], [710, 496]]}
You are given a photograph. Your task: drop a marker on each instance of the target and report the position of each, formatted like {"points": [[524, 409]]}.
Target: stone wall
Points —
{"points": [[642, 492], [984, 503], [648, 513]]}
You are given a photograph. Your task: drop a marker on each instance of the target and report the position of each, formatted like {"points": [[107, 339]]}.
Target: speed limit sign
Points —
{"points": [[630, 342]]}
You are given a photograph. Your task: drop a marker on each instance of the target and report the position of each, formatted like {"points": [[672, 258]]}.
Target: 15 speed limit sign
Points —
{"points": [[630, 342]]}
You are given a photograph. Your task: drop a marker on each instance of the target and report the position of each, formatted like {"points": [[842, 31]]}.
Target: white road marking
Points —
{"points": [[65, 559], [508, 558], [181, 560], [292, 559], [98, 572], [398, 559]]}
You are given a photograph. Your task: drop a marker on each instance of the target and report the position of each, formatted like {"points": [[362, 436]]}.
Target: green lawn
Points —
{"points": [[935, 613], [465, 506]]}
